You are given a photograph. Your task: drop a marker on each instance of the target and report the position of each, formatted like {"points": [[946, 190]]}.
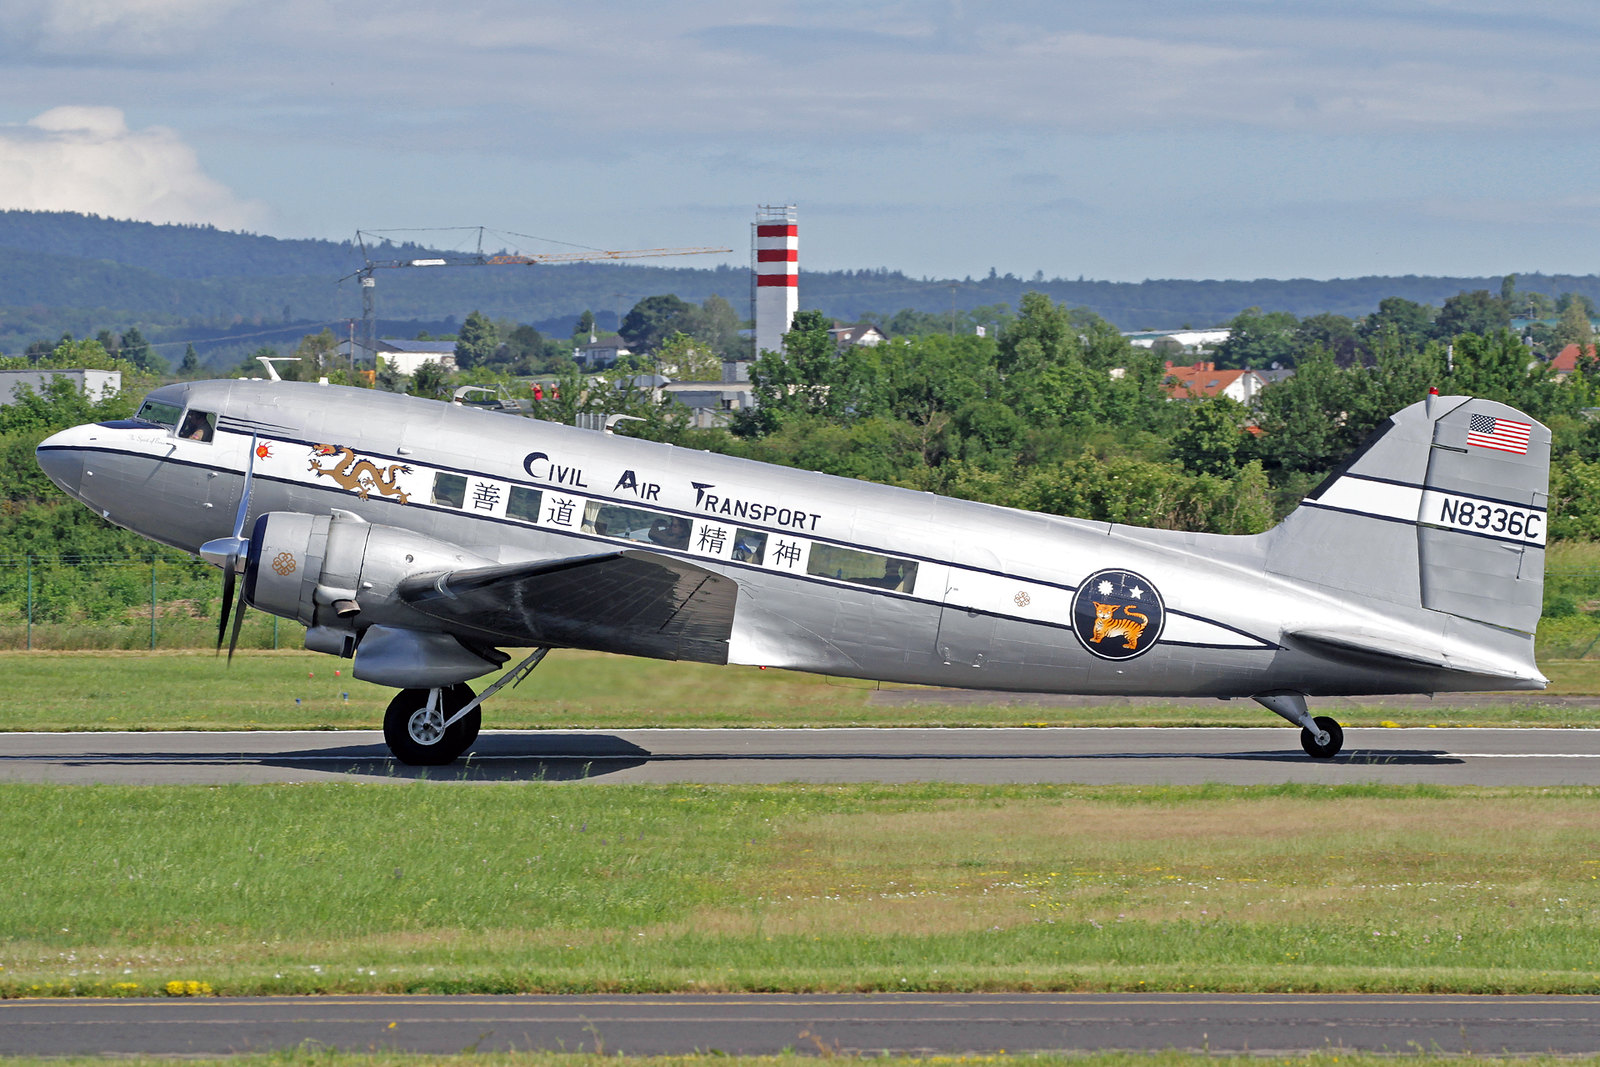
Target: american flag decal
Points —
{"points": [[1503, 435]]}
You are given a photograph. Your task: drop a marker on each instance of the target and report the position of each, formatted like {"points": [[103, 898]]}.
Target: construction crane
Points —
{"points": [[482, 259]]}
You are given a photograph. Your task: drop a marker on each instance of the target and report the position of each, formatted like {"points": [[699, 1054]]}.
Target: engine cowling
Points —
{"points": [[337, 575]]}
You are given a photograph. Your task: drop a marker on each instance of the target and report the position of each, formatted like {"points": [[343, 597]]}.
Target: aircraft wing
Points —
{"points": [[638, 603]]}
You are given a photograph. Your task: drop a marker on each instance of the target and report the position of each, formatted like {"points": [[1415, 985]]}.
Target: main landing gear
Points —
{"points": [[1322, 737], [433, 727], [423, 727]]}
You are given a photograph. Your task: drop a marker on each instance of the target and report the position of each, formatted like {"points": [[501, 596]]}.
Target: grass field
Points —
{"points": [[499, 888], [302, 690]]}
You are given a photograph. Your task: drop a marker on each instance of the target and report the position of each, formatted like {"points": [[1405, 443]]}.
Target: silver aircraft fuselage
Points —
{"points": [[833, 575]]}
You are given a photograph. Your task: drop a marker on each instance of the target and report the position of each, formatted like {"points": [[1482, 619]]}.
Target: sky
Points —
{"points": [[1118, 140]]}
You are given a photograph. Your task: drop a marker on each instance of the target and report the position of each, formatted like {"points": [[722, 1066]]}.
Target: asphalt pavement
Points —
{"points": [[1091, 755], [824, 1025]]}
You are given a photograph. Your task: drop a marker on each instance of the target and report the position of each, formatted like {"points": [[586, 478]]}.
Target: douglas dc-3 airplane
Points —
{"points": [[421, 538]]}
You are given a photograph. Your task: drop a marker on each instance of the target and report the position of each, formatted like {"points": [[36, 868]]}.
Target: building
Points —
{"points": [[864, 335], [775, 272], [597, 355], [1175, 342], [1566, 361], [95, 384], [1204, 380], [712, 404], [404, 357]]}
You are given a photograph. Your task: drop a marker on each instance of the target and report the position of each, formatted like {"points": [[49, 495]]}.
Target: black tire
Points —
{"points": [[414, 737], [1335, 732]]}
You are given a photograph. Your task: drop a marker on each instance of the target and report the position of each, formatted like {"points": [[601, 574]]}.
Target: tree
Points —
{"points": [[136, 350], [1410, 322], [430, 380], [1259, 339], [720, 327], [688, 359], [1209, 440], [476, 342], [1478, 312], [1335, 333], [655, 318], [1574, 327], [316, 352], [191, 363], [804, 379], [584, 326]]}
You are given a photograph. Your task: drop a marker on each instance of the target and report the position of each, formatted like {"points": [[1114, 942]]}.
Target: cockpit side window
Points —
{"points": [[198, 425], [160, 413]]}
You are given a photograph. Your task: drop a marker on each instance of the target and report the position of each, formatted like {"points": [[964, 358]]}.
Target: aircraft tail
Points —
{"points": [[1443, 508]]}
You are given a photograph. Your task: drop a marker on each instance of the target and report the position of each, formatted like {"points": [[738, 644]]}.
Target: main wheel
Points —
{"points": [[418, 737], [1335, 732]]}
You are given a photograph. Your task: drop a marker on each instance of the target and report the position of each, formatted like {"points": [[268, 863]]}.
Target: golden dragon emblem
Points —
{"points": [[360, 476]]}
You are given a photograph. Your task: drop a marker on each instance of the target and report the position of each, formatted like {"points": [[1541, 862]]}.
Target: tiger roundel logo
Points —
{"points": [[1117, 614]]}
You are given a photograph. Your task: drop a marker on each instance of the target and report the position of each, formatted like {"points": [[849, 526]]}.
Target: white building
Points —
{"points": [[404, 356], [95, 384]]}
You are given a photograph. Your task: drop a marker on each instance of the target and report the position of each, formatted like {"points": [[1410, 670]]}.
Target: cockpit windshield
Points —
{"points": [[160, 413]]}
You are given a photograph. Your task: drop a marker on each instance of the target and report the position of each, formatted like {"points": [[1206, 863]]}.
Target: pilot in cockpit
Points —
{"points": [[196, 426]]}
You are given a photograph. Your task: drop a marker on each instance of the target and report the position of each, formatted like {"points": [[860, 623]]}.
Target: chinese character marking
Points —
{"points": [[485, 495], [560, 511], [712, 539], [787, 553]]}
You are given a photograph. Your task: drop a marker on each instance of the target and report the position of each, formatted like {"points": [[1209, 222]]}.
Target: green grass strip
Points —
{"points": [[557, 888], [306, 691]]}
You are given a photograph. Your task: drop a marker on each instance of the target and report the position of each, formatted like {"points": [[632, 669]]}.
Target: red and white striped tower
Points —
{"points": [[776, 267]]}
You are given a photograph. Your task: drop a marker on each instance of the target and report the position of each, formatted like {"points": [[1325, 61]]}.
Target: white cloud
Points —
{"points": [[87, 159]]}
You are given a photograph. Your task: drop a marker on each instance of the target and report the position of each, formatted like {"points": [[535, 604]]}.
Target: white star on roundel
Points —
{"points": [[1136, 592], [1104, 587]]}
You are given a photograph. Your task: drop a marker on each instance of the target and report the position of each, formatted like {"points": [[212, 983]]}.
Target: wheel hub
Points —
{"points": [[426, 726]]}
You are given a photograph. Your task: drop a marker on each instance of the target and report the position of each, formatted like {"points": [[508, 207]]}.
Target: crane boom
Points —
{"points": [[497, 259]]}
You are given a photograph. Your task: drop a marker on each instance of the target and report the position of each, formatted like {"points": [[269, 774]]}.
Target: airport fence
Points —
{"points": [[162, 600], [168, 600]]}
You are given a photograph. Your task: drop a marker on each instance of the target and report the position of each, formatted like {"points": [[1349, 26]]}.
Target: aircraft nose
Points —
{"points": [[61, 457]]}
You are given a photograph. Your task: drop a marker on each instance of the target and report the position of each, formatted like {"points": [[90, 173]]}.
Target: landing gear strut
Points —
{"points": [[1322, 737], [433, 727]]}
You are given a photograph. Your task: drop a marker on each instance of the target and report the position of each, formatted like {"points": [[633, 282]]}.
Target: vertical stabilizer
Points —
{"points": [[1443, 508]]}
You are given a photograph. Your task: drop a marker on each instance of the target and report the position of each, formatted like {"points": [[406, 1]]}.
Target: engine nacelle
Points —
{"points": [[337, 574]]}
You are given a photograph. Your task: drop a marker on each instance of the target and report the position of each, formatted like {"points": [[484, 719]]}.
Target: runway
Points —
{"points": [[817, 1024], [1090, 755]]}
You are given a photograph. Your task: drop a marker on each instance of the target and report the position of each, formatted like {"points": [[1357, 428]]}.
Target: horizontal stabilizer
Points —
{"points": [[632, 602], [1345, 645]]}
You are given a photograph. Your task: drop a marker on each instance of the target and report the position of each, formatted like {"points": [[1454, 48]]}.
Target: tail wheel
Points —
{"points": [[1326, 749], [417, 735]]}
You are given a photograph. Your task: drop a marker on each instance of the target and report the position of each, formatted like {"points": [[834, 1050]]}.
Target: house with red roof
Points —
{"points": [[1193, 381], [1566, 361]]}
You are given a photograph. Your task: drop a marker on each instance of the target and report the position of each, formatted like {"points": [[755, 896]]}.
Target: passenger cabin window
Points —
{"points": [[749, 546], [523, 503], [636, 524], [162, 414], [198, 425], [862, 568], [450, 489]]}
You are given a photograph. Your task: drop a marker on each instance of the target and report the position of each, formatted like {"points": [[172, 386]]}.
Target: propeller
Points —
{"points": [[232, 555]]}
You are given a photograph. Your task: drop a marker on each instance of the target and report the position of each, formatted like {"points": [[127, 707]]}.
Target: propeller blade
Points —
{"points": [[228, 578], [238, 620], [244, 497], [228, 553]]}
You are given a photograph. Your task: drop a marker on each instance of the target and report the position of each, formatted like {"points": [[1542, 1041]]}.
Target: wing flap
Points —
{"points": [[633, 602]]}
